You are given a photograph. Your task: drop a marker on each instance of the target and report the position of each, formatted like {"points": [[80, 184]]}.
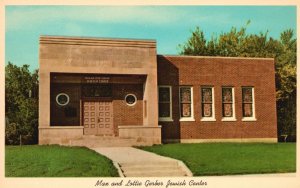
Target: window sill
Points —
{"points": [[187, 119], [228, 119], [249, 119], [208, 119], [166, 119]]}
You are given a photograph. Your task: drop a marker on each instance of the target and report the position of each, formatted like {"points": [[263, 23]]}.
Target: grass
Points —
{"points": [[231, 158], [56, 161]]}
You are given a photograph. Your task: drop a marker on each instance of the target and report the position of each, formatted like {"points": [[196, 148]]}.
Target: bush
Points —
{"points": [[11, 134]]}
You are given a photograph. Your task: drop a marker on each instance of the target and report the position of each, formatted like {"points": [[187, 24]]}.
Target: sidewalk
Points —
{"points": [[132, 162]]}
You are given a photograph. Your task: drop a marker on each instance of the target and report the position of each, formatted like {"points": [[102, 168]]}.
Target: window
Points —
{"points": [[165, 103], [248, 103], [93, 91], [207, 107], [186, 103], [228, 107], [130, 99], [62, 99]]}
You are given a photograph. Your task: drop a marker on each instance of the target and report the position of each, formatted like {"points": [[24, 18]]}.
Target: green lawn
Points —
{"points": [[232, 158], [56, 161]]}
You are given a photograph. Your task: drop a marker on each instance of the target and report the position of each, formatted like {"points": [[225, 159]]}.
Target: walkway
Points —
{"points": [[133, 162]]}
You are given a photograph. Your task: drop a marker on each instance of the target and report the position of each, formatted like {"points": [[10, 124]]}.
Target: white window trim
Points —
{"points": [[253, 118], [233, 118], [192, 105], [168, 119], [212, 118]]}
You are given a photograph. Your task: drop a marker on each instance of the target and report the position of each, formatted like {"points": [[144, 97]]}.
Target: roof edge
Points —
{"points": [[72, 40], [216, 57]]}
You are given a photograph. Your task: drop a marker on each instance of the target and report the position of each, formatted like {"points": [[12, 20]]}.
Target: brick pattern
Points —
{"points": [[124, 114], [218, 72]]}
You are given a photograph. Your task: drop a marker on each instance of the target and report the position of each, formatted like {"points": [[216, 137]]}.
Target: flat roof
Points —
{"points": [[95, 41], [214, 57]]}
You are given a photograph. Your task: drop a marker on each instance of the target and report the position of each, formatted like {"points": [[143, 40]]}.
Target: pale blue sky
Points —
{"points": [[168, 25]]}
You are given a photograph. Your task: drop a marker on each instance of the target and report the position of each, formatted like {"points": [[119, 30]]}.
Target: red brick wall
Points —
{"points": [[124, 114], [218, 72]]}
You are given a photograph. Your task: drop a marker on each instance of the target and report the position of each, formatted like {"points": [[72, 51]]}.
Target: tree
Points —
{"points": [[196, 44], [237, 43], [286, 84], [21, 104]]}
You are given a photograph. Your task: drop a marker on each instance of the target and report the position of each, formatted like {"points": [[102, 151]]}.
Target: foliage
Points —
{"points": [[56, 161], [217, 158], [238, 43], [21, 104]]}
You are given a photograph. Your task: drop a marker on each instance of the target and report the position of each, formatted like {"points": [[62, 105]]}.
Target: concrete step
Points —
{"points": [[167, 163], [100, 138], [96, 141], [146, 168], [154, 173], [95, 137], [160, 168]]}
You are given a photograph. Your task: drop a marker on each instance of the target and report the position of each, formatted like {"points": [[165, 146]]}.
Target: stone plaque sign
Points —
{"points": [[96, 79]]}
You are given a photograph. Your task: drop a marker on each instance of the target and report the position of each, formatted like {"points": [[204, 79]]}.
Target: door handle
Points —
{"points": [[98, 120]]}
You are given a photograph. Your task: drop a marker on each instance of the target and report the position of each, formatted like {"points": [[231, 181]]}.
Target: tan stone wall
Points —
{"points": [[59, 135], [145, 135]]}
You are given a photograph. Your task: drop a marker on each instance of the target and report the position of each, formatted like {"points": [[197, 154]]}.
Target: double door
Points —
{"points": [[98, 118]]}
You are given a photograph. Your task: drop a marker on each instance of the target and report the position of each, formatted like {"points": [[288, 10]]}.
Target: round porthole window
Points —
{"points": [[62, 99], [130, 99]]}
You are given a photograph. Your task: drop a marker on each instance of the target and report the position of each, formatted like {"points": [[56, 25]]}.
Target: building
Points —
{"points": [[121, 88]]}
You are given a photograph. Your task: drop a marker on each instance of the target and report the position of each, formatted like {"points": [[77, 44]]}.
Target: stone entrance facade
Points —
{"points": [[120, 88], [91, 86]]}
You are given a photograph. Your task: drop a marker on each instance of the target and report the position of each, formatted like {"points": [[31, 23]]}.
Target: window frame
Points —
{"points": [[134, 96], [253, 118], [192, 105], [213, 117], [233, 118], [170, 118], [62, 94]]}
